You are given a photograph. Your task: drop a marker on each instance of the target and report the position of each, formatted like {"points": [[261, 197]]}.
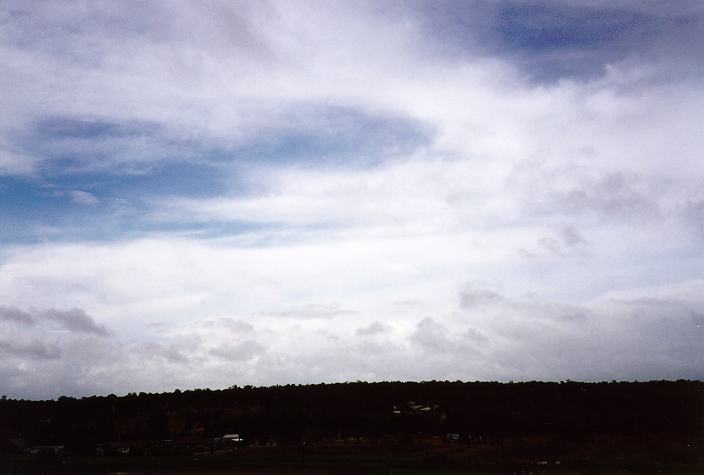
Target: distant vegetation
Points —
{"points": [[288, 416], [312, 412]]}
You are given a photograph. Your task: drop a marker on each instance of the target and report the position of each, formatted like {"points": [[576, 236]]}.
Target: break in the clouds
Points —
{"points": [[201, 194]]}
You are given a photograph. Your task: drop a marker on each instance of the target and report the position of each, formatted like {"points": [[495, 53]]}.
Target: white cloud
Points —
{"points": [[83, 198], [580, 192], [480, 334], [224, 86]]}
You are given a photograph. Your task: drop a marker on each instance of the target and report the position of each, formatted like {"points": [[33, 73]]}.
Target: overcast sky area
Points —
{"points": [[202, 194]]}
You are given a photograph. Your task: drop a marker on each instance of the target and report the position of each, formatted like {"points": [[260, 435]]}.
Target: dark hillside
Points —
{"points": [[468, 421], [365, 409]]}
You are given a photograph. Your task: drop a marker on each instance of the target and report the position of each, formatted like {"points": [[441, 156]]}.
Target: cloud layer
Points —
{"points": [[267, 193]]}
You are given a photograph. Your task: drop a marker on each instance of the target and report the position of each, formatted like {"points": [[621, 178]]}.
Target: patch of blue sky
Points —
{"points": [[26, 198], [71, 197], [320, 134], [55, 207], [68, 144], [57, 127], [31, 211], [34, 210], [165, 178], [336, 136], [258, 233], [89, 154]]}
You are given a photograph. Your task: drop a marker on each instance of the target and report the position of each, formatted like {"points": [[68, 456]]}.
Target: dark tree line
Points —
{"points": [[293, 413]]}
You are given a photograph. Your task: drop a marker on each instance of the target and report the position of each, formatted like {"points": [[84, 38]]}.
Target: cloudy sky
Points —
{"points": [[205, 193]]}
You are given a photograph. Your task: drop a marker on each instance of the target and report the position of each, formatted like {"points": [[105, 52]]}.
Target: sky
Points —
{"points": [[213, 193]]}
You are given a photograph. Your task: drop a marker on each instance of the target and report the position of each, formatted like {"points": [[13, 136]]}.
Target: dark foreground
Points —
{"points": [[380, 428], [536, 455]]}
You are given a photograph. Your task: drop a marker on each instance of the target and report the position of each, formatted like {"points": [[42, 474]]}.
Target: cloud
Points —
{"points": [[610, 195], [242, 351], [639, 334], [31, 349], [694, 214], [436, 339], [471, 297], [167, 353], [566, 241], [50, 351], [552, 40], [83, 198], [76, 319], [166, 96], [613, 194], [374, 328], [284, 175], [474, 333], [314, 310], [15, 163], [607, 338], [571, 236], [433, 336], [16, 315], [230, 324]]}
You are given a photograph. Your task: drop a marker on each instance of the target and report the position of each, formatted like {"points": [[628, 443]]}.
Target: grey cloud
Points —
{"points": [[473, 297], [694, 213], [475, 335], [404, 305], [697, 319], [374, 328], [76, 319], [159, 324], [665, 338], [551, 244], [552, 39], [571, 236], [63, 30], [314, 311], [432, 336], [169, 353], [374, 348], [566, 241], [614, 194], [436, 338], [242, 351], [571, 192], [237, 326], [641, 337], [33, 350], [12, 314]]}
